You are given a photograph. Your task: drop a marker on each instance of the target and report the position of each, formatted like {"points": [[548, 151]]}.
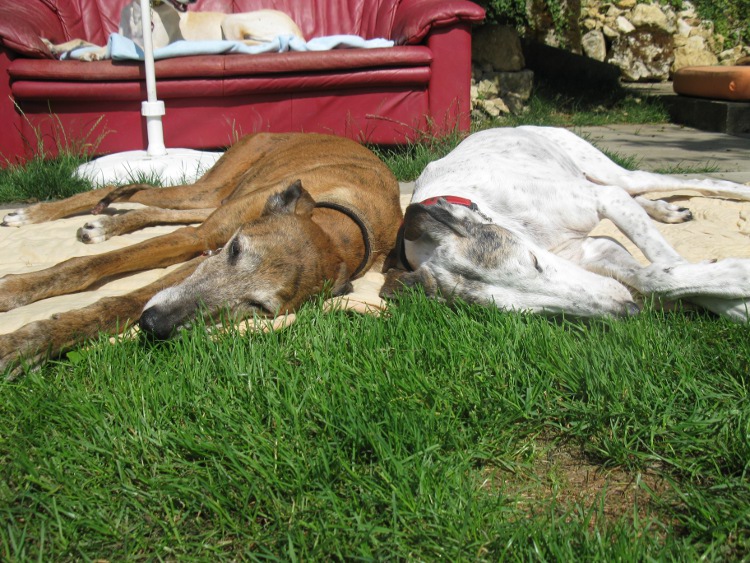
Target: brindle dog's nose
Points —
{"points": [[155, 325]]}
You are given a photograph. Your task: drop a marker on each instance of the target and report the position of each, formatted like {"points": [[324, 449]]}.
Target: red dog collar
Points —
{"points": [[450, 199], [455, 200]]}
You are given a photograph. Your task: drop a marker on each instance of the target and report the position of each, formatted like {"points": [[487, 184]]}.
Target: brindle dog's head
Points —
{"points": [[269, 266], [454, 253]]}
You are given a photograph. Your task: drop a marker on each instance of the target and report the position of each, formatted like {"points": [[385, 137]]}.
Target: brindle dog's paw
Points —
{"points": [[17, 218], [94, 231], [20, 349]]}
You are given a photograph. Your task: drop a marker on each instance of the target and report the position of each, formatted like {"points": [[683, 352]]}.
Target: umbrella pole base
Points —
{"points": [[177, 166]]}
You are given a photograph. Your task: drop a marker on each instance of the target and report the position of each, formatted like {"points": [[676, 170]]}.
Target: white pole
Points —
{"points": [[178, 166], [152, 109]]}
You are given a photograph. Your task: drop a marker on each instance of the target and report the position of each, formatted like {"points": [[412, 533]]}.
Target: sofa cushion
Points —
{"points": [[406, 22], [716, 82], [217, 66], [134, 90]]}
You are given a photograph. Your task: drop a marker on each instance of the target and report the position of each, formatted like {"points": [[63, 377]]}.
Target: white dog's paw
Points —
{"points": [[663, 211], [17, 218], [94, 231]]}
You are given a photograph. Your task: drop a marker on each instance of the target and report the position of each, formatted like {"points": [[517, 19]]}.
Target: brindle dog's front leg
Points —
{"points": [[103, 228], [77, 274], [39, 340], [51, 210]]}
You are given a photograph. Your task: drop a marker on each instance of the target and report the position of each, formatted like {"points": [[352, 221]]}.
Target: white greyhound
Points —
{"points": [[504, 220], [172, 22]]}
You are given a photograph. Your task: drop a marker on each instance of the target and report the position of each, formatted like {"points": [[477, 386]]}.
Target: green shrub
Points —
{"points": [[518, 12], [731, 18]]}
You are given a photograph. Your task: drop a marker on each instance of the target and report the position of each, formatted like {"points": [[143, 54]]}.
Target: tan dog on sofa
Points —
{"points": [[172, 22]]}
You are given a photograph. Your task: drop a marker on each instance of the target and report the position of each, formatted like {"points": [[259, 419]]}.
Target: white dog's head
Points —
{"points": [[454, 253]]}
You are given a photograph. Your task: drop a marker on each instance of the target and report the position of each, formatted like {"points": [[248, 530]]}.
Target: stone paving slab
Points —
{"points": [[660, 147]]}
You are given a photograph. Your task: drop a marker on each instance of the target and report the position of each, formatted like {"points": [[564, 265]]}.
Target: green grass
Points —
{"points": [[680, 168], [573, 105], [431, 432], [42, 179]]}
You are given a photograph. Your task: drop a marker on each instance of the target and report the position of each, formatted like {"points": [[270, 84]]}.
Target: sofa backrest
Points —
{"points": [[318, 18], [94, 20]]}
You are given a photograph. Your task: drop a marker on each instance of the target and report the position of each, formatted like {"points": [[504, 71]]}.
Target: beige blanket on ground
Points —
{"points": [[720, 229]]}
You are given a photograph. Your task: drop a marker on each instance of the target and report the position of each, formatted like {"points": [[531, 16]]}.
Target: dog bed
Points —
{"points": [[730, 83], [720, 229]]}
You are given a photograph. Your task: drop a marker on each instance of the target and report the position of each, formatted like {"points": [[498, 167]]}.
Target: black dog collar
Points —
{"points": [[362, 227]]}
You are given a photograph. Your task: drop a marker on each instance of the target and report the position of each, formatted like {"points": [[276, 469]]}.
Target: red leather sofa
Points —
{"points": [[380, 96]]}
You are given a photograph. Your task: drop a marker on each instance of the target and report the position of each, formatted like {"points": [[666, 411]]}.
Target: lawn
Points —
{"points": [[430, 432]]}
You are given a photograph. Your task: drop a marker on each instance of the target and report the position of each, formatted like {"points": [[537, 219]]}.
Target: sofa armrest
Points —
{"points": [[23, 24], [415, 19]]}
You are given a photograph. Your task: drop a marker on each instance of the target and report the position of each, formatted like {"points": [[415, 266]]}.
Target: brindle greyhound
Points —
{"points": [[296, 212]]}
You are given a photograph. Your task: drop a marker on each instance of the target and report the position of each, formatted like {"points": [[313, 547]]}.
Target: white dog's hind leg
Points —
{"points": [[722, 287], [632, 219], [638, 182]]}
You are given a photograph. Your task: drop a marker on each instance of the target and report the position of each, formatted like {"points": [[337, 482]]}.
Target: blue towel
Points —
{"points": [[120, 48]]}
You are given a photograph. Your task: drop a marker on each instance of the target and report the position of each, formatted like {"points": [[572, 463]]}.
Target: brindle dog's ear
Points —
{"points": [[294, 199], [342, 285], [434, 221]]}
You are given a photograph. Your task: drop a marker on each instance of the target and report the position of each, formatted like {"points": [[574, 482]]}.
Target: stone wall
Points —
{"points": [[500, 82], [649, 42], [646, 41]]}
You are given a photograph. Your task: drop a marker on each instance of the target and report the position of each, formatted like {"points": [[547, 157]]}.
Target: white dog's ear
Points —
{"points": [[435, 221], [294, 199]]}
